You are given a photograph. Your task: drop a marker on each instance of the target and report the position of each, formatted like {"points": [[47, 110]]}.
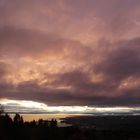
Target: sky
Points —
{"points": [[70, 52]]}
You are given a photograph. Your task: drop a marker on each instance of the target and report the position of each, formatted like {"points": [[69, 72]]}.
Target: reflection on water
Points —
{"points": [[36, 117], [30, 117]]}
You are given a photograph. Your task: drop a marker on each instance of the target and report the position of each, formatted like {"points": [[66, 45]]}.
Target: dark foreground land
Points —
{"points": [[83, 128]]}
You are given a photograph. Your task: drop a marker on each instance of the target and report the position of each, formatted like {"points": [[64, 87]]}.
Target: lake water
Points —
{"points": [[36, 117], [30, 117]]}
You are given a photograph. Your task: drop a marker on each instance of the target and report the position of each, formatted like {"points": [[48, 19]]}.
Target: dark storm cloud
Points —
{"points": [[96, 41], [16, 42], [3, 69], [122, 61], [117, 64], [65, 97], [81, 83], [25, 42]]}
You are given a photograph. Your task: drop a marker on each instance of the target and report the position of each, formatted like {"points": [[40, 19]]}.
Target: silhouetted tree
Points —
{"points": [[21, 120], [17, 118], [40, 122], [6, 122], [53, 123]]}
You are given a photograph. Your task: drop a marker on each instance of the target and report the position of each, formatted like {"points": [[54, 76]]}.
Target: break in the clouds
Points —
{"points": [[70, 53], [24, 106]]}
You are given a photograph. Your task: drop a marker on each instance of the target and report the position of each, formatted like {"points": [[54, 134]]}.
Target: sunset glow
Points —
{"points": [[24, 106], [76, 55]]}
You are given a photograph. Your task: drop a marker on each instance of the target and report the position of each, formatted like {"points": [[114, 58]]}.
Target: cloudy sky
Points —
{"points": [[70, 52]]}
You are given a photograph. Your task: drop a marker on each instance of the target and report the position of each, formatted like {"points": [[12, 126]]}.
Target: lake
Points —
{"points": [[58, 117]]}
